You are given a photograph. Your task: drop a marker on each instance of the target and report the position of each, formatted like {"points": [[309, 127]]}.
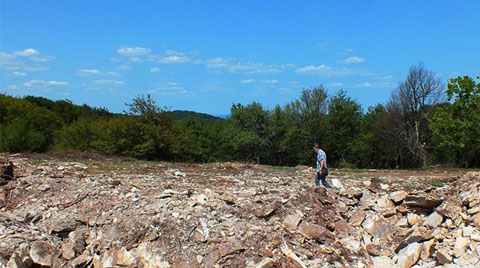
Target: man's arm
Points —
{"points": [[322, 162]]}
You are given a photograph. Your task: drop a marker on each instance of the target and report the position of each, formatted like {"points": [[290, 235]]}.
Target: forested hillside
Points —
{"points": [[422, 124]]}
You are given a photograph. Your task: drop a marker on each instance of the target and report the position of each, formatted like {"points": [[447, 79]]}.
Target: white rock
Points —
{"points": [[337, 184], [408, 256], [383, 262]]}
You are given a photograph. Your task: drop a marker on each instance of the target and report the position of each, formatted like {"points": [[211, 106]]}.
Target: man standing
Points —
{"points": [[322, 171]]}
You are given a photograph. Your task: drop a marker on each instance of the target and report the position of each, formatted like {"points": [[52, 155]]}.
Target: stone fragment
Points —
{"points": [[422, 200], [383, 262], [357, 217], [42, 253], [315, 231], [15, 261], [427, 249], [385, 203], [443, 257], [291, 221], [476, 220], [402, 222], [337, 184], [450, 208], [373, 249], [343, 229], [381, 228], [414, 219], [398, 196], [461, 244], [433, 220], [82, 260], [408, 256], [265, 263], [296, 261], [125, 257]]}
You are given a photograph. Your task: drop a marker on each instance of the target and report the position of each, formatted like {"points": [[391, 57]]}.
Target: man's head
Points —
{"points": [[316, 147]]}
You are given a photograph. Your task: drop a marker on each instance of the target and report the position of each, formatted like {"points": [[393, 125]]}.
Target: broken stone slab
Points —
{"points": [[461, 244], [381, 228], [408, 256], [337, 184], [383, 262], [443, 257], [315, 231], [297, 262], [43, 253], [450, 208], [291, 221], [422, 200], [357, 217], [433, 220], [398, 196], [343, 229]]}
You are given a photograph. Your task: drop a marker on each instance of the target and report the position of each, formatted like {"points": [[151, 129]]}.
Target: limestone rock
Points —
{"points": [[408, 256], [43, 253], [383, 262], [291, 221], [433, 220], [443, 257], [357, 217], [461, 244], [398, 196], [315, 231]]}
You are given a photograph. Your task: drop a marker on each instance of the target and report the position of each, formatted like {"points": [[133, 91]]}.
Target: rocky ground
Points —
{"points": [[97, 212]]}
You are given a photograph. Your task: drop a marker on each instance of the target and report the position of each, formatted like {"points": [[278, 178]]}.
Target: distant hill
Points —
{"points": [[181, 114]]}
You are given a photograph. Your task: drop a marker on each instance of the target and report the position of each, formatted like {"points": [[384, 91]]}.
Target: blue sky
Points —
{"points": [[205, 55]]}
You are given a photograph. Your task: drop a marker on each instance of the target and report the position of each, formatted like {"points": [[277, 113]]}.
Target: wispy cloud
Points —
{"points": [[154, 70], [234, 66], [334, 84], [109, 82], [374, 84], [266, 81], [353, 59], [133, 51], [169, 89], [94, 72], [42, 83], [25, 60], [324, 70], [247, 81], [16, 73]]}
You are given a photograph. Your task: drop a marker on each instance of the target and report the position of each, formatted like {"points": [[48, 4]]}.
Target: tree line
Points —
{"points": [[421, 125]]}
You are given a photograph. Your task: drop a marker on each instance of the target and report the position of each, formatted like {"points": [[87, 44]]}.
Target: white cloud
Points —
{"points": [[247, 81], [273, 81], [324, 70], [109, 82], [16, 73], [374, 84], [335, 84], [96, 72], [353, 59], [23, 60], [25, 53], [234, 66], [124, 67], [133, 51], [42, 83], [154, 70], [169, 89], [323, 45], [12, 87]]}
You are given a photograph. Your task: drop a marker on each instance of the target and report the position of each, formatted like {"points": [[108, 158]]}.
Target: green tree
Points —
{"points": [[344, 118], [456, 126]]}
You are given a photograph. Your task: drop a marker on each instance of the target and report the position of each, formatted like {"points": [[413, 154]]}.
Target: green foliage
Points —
{"points": [[283, 136], [456, 125]]}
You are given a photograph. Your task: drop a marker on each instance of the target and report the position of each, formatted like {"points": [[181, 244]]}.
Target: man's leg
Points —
{"points": [[324, 181], [317, 179]]}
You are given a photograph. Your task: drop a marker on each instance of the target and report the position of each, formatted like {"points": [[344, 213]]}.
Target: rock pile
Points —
{"points": [[134, 214]]}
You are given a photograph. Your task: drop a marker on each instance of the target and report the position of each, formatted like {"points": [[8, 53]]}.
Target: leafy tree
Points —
{"points": [[344, 119], [456, 125]]}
